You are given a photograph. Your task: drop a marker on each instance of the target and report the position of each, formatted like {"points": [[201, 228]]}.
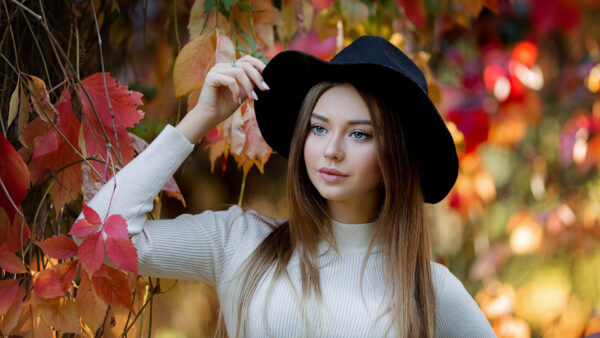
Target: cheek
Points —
{"points": [[370, 165]]}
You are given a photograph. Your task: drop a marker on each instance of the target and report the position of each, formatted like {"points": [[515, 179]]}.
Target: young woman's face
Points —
{"points": [[341, 139]]}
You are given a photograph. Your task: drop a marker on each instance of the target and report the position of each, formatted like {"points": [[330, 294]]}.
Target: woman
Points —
{"points": [[366, 149]]}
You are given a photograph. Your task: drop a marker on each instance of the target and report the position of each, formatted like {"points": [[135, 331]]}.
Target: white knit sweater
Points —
{"points": [[210, 246]]}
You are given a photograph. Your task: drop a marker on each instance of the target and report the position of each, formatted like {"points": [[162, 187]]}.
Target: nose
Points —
{"points": [[333, 149]]}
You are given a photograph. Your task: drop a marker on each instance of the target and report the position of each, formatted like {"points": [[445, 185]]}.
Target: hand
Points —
{"points": [[221, 95]]}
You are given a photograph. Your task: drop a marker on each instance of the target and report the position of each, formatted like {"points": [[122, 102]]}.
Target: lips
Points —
{"points": [[332, 171], [331, 175]]}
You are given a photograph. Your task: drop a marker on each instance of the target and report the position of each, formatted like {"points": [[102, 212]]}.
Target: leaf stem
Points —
{"points": [[110, 108]]}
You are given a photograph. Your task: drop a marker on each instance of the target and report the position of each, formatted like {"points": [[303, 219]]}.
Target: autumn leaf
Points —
{"points": [[115, 227], [91, 252], [122, 253], [9, 320], [60, 247], [15, 177], [196, 58], [113, 289], [11, 263], [60, 313], [13, 236], [124, 103], [89, 306], [66, 273], [8, 291], [41, 100], [87, 225], [47, 284], [67, 182]]}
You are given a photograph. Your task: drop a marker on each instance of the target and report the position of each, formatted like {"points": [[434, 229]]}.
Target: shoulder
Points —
{"points": [[458, 314]]}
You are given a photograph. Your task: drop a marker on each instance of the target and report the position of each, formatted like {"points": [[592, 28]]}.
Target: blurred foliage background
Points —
{"points": [[518, 83]]}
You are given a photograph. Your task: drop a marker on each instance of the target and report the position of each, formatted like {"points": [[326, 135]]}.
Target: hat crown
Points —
{"points": [[377, 50]]}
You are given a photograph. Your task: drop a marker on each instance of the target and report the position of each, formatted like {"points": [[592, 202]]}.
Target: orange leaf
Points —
{"points": [[8, 291], [60, 313], [9, 234], [11, 263], [47, 284], [114, 288], [66, 273], [197, 57], [10, 319], [91, 308], [41, 100], [60, 247]]}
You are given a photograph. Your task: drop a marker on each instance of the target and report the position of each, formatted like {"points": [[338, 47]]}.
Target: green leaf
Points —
{"points": [[245, 7], [227, 4], [209, 4], [243, 49], [251, 42]]}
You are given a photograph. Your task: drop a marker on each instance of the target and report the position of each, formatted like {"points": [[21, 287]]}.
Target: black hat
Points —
{"points": [[371, 61]]}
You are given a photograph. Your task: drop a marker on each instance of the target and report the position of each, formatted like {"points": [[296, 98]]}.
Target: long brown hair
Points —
{"points": [[401, 232]]}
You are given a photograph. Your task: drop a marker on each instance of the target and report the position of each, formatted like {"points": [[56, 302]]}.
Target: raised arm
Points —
{"points": [[189, 246]]}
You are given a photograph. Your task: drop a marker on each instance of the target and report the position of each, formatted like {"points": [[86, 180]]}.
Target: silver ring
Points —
{"points": [[234, 63]]}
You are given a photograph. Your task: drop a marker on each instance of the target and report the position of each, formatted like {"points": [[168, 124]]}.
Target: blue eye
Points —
{"points": [[317, 129], [362, 136]]}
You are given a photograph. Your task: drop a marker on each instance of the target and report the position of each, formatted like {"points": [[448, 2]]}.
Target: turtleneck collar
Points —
{"points": [[351, 238]]}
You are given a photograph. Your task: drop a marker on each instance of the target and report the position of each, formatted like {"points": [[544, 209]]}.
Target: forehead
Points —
{"points": [[342, 102]]}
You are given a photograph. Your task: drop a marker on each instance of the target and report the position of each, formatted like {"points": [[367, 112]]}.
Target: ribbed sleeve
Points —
{"points": [[458, 313]]}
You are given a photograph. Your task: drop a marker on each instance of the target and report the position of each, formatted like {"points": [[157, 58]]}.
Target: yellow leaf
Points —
{"points": [[289, 27], [201, 22], [354, 11], [266, 34], [197, 57], [325, 23], [89, 306], [60, 313], [13, 107]]}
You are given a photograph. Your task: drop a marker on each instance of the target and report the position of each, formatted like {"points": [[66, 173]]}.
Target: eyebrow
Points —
{"points": [[352, 122]]}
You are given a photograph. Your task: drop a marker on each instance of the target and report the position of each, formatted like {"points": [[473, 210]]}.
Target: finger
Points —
{"points": [[254, 75], [231, 83], [257, 63], [240, 74]]}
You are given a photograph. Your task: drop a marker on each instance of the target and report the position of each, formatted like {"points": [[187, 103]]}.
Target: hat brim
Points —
{"points": [[291, 74]]}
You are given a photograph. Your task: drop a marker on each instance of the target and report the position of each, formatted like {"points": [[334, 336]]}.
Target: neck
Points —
{"points": [[354, 211], [351, 238]]}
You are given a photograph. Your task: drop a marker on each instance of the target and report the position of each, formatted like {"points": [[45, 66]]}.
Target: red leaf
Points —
{"points": [[14, 175], [115, 227], [91, 215], [8, 290], [114, 290], [91, 252], [47, 284], [413, 10], [122, 252], [66, 272], [11, 263], [11, 318], [124, 105], [83, 228], [10, 234], [60, 247], [44, 164]]}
